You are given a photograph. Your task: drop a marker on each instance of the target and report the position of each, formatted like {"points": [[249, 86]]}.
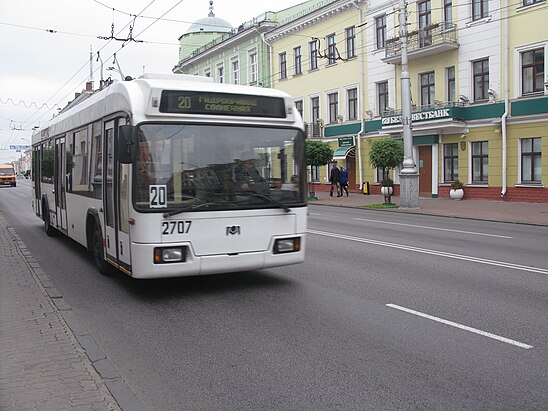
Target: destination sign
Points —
{"points": [[198, 102]]}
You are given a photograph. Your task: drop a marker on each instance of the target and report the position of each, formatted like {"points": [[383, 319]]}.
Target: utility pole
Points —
{"points": [[409, 177]]}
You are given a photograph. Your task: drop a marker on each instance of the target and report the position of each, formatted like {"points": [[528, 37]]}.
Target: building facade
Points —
{"points": [[234, 55], [317, 58], [479, 87]]}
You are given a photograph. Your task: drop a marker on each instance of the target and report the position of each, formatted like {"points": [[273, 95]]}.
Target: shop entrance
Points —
{"points": [[425, 170]]}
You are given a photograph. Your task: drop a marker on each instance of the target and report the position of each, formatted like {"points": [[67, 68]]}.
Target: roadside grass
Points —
{"points": [[383, 205]]}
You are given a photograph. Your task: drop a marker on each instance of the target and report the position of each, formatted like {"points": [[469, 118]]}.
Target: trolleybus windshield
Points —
{"points": [[182, 167]]}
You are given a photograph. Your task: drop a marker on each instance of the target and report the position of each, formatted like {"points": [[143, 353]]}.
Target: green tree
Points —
{"points": [[318, 153], [386, 154]]}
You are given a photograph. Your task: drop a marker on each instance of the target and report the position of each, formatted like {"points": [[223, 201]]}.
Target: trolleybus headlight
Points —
{"points": [[287, 245], [169, 255]]}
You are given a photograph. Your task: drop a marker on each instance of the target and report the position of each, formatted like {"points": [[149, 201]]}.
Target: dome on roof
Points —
{"points": [[210, 23]]}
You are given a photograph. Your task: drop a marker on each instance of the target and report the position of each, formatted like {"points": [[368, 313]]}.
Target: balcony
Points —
{"points": [[433, 39]]}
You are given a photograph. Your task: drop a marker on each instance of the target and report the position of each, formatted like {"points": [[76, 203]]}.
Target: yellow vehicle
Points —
{"points": [[7, 175]]}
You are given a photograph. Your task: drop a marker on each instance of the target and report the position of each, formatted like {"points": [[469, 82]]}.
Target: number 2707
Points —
{"points": [[176, 227]]}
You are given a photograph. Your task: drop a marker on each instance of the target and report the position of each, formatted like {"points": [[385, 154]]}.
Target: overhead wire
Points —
{"points": [[78, 71]]}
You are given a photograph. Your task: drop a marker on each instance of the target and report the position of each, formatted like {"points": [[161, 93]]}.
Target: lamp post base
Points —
{"points": [[409, 190]]}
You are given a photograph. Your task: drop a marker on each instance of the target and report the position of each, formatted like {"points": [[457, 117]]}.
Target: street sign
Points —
{"points": [[19, 148], [346, 141]]}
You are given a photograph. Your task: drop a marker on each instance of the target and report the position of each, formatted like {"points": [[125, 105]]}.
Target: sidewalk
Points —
{"points": [[48, 361], [512, 212]]}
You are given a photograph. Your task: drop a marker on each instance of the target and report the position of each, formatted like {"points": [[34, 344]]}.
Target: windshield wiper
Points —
{"points": [[265, 198], [194, 207]]}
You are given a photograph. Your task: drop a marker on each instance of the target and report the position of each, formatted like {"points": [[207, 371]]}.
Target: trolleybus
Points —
{"points": [[175, 175]]}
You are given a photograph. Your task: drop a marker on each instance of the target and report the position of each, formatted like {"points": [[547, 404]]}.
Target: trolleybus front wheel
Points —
{"points": [[97, 250], [50, 230]]}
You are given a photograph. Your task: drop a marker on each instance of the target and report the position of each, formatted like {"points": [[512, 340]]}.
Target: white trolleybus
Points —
{"points": [[174, 175]]}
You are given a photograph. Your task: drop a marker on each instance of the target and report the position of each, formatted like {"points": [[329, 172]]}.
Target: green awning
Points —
{"points": [[342, 152]]}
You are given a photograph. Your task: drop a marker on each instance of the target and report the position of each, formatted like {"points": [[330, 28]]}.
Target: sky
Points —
{"points": [[45, 49]]}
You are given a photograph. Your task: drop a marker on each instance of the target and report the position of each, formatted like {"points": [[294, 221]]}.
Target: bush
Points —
{"points": [[455, 185]]}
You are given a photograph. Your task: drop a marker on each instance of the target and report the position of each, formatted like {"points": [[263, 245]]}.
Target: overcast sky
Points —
{"points": [[45, 49]]}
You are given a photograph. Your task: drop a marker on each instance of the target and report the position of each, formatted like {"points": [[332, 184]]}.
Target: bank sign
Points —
{"points": [[420, 116]]}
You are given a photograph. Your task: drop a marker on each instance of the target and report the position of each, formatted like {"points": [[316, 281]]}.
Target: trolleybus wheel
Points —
{"points": [[50, 230], [97, 250]]}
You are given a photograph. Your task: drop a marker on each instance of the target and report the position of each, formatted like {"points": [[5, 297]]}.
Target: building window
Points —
{"points": [[480, 9], [532, 71], [382, 93], [530, 2], [331, 49], [450, 162], [531, 160], [333, 99], [427, 88], [253, 68], [235, 72], [352, 103], [380, 28], [220, 74], [313, 55], [451, 84], [479, 162], [481, 79], [299, 107], [425, 20], [315, 108], [297, 53], [448, 11], [350, 42], [283, 65], [207, 73]]}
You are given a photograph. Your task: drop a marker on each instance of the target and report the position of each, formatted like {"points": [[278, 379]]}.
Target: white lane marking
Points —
{"points": [[434, 252], [314, 213], [433, 228], [462, 327]]}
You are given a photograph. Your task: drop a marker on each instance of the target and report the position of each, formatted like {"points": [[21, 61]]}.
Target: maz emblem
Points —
{"points": [[235, 229]]}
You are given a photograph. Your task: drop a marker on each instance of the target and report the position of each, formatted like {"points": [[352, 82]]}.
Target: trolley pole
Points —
{"points": [[409, 177]]}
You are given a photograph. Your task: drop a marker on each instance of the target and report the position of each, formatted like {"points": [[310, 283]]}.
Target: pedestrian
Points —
{"points": [[334, 177], [343, 180]]}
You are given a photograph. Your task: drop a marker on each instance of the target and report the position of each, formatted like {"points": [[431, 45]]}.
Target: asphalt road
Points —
{"points": [[388, 312]]}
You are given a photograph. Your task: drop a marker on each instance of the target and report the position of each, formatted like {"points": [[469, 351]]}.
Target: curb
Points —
{"points": [[414, 212], [122, 394]]}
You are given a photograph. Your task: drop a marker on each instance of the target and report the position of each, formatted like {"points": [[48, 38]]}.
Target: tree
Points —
{"points": [[386, 154], [318, 153]]}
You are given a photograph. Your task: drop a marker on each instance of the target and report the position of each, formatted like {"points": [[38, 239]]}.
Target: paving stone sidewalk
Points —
{"points": [[42, 365]]}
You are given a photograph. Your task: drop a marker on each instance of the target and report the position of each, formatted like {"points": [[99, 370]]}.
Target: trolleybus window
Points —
{"points": [[183, 167]]}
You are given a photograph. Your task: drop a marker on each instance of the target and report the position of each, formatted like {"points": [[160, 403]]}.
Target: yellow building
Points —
{"points": [[479, 89], [317, 58]]}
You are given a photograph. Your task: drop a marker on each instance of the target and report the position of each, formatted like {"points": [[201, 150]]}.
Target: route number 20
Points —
{"points": [[157, 196]]}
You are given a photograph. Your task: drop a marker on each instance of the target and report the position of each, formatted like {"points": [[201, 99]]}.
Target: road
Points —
{"points": [[390, 311]]}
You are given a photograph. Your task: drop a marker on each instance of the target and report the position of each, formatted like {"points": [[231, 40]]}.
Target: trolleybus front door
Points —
{"points": [[61, 183], [116, 201]]}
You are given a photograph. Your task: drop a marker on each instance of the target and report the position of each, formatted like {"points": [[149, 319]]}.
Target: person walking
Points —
{"points": [[334, 177], [343, 180]]}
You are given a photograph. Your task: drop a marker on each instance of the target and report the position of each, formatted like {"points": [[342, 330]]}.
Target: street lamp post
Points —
{"points": [[409, 178]]}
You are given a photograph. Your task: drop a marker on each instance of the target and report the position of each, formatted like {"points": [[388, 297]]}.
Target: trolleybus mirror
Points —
{"points": [[127, 147]]}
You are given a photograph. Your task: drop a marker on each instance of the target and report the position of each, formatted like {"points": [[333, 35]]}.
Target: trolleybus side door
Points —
{"points": [[123, 214], [110, 189], [60, 177], [116, 200]]}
